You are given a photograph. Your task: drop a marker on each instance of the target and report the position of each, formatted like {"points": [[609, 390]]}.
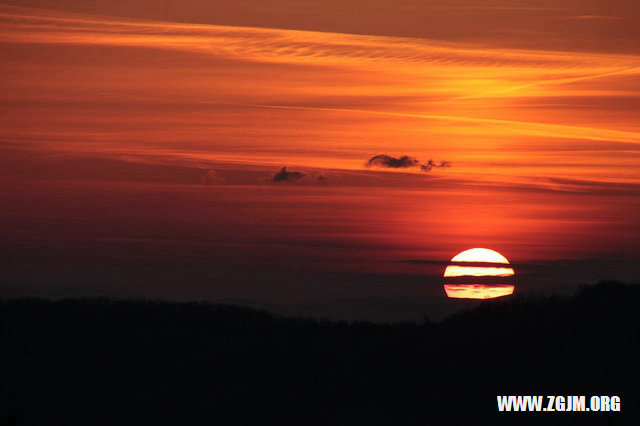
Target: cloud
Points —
{"points": [[384, 160], [326, 178], [429, 165], [404, 162], [595, 18], [211, 178], [23, 25], [286, 176], [310, 178]]}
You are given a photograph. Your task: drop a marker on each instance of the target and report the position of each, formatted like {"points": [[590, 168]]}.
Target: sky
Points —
{"points": [[143, 142]]}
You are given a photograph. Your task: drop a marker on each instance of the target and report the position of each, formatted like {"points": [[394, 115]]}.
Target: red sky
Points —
{"points": [[114, 112]]}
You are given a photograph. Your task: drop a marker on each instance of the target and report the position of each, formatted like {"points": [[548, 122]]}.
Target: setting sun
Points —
{"points": [[477, 263]]}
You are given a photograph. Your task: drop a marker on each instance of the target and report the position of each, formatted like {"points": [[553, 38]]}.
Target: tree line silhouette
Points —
{"points": [[136, 362]]}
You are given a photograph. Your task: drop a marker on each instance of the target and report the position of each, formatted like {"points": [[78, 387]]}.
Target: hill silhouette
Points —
{"points": [[138, 362]]}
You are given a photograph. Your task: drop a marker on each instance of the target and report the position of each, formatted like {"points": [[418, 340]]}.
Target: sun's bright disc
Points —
{"points": [[478, 273], [480, 255]]}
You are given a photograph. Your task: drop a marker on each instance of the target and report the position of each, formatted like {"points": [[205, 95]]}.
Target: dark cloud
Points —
{"points": [[322, 179], [286, 176], [326, 178], [429, 165], [384, 160], [211, 178], [404, 162]]}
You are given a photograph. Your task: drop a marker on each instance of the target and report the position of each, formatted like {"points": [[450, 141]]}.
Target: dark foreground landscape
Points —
{"points": [[112, 362]]}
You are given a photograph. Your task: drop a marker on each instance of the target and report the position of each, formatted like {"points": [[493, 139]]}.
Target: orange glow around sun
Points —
{"points": [[481, 261]]}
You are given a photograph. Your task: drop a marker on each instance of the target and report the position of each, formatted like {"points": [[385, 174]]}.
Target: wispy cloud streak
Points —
{"points": [[263, 44]]}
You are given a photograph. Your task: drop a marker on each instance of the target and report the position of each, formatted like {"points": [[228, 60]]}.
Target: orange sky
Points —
{"points": [[122, 107]]}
